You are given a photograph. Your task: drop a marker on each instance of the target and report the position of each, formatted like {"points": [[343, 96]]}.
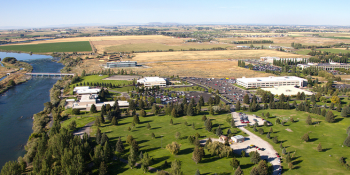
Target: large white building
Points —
{"points": [[270, 81], [152, 81], [325, 66], [86, 90]]}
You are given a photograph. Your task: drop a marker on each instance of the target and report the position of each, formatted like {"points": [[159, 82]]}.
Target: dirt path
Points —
{"points": [[84, 129], [268, 154]]}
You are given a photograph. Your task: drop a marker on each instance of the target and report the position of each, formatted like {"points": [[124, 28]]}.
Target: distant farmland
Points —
{"points": [[335, 50], [80, 46]]}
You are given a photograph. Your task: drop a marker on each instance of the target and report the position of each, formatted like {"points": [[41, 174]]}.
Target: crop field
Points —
{"points": [[209, 55], [50, 47], [165, 134], [306, 159], [160, 46]]}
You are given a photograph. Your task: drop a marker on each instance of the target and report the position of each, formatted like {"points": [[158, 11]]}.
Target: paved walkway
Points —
{"points": [[268, 154], [84, 129]]}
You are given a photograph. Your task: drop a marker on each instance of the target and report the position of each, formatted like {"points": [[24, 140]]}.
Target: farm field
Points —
{"points": [[161, 126], [306, 159], [50, 47], [303, 51], [208, 55]]}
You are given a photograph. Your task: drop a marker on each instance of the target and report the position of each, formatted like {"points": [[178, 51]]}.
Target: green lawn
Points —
{"points": [[335, 50], [307, 160], [161, 126], [81, 121], [123, 89], [80, 46], [99, 79]]}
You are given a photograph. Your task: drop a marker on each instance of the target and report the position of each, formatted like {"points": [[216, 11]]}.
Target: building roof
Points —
{"points": [[269, 79], [286, 90], [151, 79], [88, 98], [81, 88], [237, 137], [88, 91]]}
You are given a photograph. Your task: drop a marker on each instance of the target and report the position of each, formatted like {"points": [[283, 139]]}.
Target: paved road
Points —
{"points": [[84, 129], [269, 153]]}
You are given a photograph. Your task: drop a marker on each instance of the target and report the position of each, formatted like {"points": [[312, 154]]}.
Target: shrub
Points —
{"points": [[174, 148], [347, 141], [261, 131], [278, 121], [76, 111], [305, 137], [275, 139], [319, 147]]}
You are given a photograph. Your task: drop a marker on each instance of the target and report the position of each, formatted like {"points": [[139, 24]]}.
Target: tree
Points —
{"points": [[177, 135], [174, 148], [176, 167], [197, 172], [211, 111], [275, 139], [173, 113], [129, 139], [330, 117], [93, 108], [290, 165], [208, 125], [344, 112], [143, 113], [319, 147], [114, 121], [119, 146], [308, 120], [72, 126], [238, 106], [197, 154], [219, 131], [204, 118], [233, 125], [201, 101], [305, 137], [254, 171], [261, 131], [246, 99], [132, 158], [238, 171], [288, 158], [10, 168], [254, 157], [98, 136], [146, 161], [243, 153], [103, 169], [171, 121], [284, 151], [136, 119], [267, 115], [153, 136], [263, 168], [104, 138], [347, 141], [335, 99], [135, 146], [102, 118], [210, 101], [190, 110], [148, 126], [234, 163], [268, 135]]}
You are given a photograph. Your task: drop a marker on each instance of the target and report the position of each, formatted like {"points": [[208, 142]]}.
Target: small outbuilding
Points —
{"points": [[223, 138], [238, 138]]}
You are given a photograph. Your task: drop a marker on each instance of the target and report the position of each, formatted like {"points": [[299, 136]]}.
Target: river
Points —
{"points": [[19, 103]]}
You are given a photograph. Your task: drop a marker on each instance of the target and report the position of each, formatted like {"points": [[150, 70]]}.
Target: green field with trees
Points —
{"points": [[81, 46]]}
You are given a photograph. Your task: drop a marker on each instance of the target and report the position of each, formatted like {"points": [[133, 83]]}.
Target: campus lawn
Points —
{"points": [[306, 159], [80, 46], [81, 121], [161, 126], [123, 89], [99, 79]]}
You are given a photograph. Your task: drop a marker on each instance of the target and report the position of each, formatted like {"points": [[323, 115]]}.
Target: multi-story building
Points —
{"points": [[270, 81], [325, 66], [121, 64]]}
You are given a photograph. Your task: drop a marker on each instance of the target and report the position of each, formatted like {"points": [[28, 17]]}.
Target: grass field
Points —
{"points": [[81, 121], [337, 51], [160, 46], [303, 51], [306, 159], [161, 126], [98, 79], [50, 47]]}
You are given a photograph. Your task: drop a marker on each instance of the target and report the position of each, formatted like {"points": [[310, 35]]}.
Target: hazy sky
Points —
{"points": [[42, 13]]}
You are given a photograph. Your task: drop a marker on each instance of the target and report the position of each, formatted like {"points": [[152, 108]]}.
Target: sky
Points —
{"points": [[44, 13]]}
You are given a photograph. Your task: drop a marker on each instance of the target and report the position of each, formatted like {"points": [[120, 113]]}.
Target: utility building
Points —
{"points": [[270, 81]]}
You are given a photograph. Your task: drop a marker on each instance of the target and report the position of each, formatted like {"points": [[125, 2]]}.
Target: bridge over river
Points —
{"points": [[44, 74]]}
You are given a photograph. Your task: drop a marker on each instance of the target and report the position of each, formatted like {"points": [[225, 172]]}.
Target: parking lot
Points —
{"points": [[225, 87], [242, 120]]}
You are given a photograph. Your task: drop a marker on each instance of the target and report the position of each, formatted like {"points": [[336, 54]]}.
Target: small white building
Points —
{"points": [[152, 81], [271, 81], [237, 138]]}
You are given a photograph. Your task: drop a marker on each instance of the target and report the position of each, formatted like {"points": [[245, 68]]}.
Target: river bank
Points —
{"points": [[19, 103]]}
